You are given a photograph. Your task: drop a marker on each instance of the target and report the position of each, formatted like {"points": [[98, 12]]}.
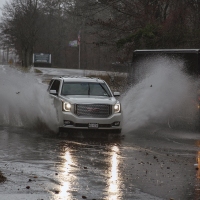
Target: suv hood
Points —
{"points": [[81, 99]]}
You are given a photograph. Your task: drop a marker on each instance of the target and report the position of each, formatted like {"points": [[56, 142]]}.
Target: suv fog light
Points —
{"points": [[116, 123], [67, 122]]}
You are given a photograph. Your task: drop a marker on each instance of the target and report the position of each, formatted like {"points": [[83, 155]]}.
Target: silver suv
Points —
{"points": [[85, 103]]}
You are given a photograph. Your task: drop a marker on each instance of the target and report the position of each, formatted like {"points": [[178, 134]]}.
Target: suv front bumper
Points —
{"points": [[72, 121]]}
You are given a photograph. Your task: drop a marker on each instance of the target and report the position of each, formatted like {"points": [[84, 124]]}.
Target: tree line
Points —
{"points": [[109, 29]]}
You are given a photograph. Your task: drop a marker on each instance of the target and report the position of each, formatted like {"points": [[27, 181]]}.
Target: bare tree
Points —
{"points": [[20, 25], [131, 24], [110, 29]]}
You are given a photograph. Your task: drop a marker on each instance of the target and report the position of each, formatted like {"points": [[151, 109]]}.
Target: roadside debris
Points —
{"points": [[2, 178], [196, 166]]}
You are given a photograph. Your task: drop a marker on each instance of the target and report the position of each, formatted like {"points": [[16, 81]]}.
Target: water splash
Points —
{"points": [[163, 92], [24, 101]]}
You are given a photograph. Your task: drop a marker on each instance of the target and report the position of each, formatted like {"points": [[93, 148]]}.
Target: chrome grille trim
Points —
{"points": [[93, 110]]}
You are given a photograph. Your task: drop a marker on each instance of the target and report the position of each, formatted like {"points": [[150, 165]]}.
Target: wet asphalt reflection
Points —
{"points": [[150, 163]]}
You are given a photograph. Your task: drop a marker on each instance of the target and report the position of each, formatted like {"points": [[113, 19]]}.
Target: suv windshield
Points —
{"points": [[83, 88]]}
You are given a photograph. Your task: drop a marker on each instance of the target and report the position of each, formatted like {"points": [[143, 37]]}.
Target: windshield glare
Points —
{"points": [[82, 88]]}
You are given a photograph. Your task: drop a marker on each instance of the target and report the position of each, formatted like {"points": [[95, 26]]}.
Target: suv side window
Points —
{"points": [[55, 85], [50, 84]]}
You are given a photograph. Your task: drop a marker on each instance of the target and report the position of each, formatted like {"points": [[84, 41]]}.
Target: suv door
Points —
{"points": [[55, 85]]}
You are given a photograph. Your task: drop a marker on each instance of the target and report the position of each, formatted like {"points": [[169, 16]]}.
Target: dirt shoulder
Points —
{"points": [[2, 177]]}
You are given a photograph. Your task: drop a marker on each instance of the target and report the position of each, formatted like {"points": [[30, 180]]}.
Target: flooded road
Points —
{"points": [[152, 163]]}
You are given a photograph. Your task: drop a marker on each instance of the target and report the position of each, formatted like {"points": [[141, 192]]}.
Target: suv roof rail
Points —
{"points": [[86, 77]]}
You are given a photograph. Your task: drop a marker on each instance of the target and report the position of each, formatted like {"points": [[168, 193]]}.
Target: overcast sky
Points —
{"points": [[2, 2]]}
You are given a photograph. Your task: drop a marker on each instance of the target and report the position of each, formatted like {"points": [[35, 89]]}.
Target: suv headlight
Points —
{"points": [[66, 106], [117, 108]]}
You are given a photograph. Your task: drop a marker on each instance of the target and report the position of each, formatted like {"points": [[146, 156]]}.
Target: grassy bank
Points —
{"points": [[117, 82]]}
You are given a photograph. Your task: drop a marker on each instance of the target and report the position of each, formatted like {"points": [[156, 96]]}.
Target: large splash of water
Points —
{"points": [[24, 101], [163, 92]]}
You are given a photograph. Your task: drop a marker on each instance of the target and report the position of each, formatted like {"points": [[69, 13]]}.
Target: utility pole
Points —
{"points": [[7, 54]]}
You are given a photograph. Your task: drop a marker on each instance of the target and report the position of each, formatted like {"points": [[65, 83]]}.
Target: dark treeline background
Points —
{"points": [[110, 29]]}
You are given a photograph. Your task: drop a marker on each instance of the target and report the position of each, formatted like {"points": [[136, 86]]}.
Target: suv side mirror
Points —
{"points": [[116, 94], [53, 92]]}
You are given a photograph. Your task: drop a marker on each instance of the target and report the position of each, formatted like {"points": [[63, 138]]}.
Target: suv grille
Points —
{"points": [[93, 110]]}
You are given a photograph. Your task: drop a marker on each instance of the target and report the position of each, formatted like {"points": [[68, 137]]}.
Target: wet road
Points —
{"points": [[148, 163]]}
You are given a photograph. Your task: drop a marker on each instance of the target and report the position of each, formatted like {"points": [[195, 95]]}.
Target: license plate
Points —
{"points": [[93, 125]]}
